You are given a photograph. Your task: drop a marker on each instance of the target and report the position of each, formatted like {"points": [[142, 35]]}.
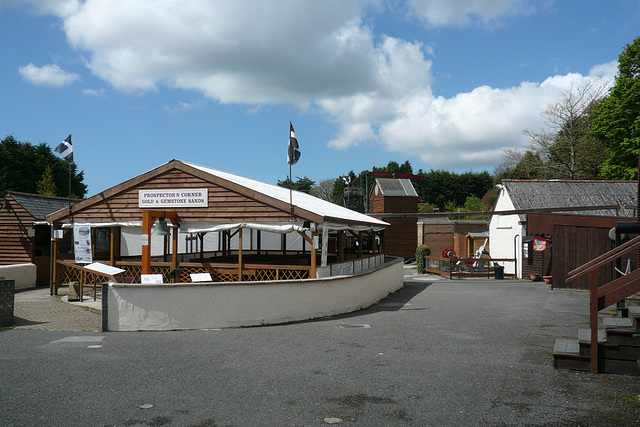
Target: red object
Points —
{"points": [[399, 175], [448, 253]]}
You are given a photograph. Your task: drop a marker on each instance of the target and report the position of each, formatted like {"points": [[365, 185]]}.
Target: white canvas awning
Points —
{"points": [[275, 228]]}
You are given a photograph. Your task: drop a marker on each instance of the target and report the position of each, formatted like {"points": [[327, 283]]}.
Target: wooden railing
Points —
{"points": [[603, 296], [464, 267], [68, 271]]}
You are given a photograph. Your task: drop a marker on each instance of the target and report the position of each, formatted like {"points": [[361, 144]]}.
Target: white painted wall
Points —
{"points": [[505, 234], [215, 305], [24, 275]]}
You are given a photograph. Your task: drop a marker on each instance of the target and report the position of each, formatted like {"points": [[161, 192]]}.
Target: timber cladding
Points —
{"points": [[401, 238], [440, 235], [574, 246], [225, 204], [394, 204], [15, 221]]}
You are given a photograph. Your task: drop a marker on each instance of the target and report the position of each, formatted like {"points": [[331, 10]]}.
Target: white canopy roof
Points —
{"points": [[302, 200]]}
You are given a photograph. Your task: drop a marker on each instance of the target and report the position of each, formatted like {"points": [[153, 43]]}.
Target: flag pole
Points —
{"points": [[290, 193], [290, 177], [69, 195]]}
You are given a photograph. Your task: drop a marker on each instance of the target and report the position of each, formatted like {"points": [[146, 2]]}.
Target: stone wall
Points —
{"points": [[7, 288]]}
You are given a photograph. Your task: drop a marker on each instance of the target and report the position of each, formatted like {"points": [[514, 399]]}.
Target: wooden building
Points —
{"points": [[569, 242], [242, 214], [390, 199], [508, 233], [25, 237], [442, 233]]}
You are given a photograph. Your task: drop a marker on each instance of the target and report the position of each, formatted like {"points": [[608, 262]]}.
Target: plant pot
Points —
{"points": [[535, 277], [547, 279]]}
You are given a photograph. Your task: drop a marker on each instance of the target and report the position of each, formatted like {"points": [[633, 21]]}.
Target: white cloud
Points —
{"points": [[94, 92], [322, 55], [49, 75], [606, 71], [464, 12]]}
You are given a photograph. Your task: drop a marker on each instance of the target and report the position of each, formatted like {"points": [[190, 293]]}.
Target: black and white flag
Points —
{"points": [[66, 150], [294, 149]]}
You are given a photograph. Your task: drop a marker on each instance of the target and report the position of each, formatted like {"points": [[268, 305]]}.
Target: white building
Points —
{"points": [[506, 232]]}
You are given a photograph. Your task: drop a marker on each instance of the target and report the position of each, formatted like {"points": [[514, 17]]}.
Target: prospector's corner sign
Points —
{"points": [[173, 198]]}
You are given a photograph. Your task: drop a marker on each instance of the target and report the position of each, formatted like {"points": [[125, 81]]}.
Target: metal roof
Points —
{"points": [[40, 206], [396, 187], [528, 194], [302, 200]]}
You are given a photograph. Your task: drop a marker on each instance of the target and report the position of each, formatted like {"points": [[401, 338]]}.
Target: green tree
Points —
{"points": [[474, 204], [617, 121], [530, 166], [446, 189], [46, 186], [301, 184], [22, 166]]}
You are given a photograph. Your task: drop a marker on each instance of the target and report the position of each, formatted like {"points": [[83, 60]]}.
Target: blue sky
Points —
{"points": [[444, 84]]}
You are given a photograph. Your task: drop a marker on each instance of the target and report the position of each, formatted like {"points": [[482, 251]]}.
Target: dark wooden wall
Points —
{"points": [[574, 246], [401, 238], [17, 246]]}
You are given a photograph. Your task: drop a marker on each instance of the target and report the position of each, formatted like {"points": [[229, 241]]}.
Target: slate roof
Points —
{"points": [[38, 205], [396, 187], [527, 194]]}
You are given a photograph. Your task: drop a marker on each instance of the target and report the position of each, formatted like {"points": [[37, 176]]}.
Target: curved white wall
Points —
{"points": [[223, 305]]}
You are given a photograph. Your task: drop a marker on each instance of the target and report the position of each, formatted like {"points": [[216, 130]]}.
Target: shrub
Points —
{"points": [[421, 252]]}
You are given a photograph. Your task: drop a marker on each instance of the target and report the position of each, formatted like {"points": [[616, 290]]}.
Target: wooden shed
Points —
{"points": [[441, 233], [232, 227], [395, 197], [25, 237], [569, 242]]}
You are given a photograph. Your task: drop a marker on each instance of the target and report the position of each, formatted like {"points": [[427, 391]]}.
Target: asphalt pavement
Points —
{"points": [[437, 352]]}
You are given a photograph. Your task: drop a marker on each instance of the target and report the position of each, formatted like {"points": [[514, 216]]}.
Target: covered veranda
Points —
{"points": [[236, 229]]}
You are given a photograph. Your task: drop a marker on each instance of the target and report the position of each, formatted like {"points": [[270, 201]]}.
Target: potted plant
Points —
{"points": [[547, 279], [535, 276]]}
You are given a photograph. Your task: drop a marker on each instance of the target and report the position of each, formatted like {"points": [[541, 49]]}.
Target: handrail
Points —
{"points": [[603, 259], [608, 294]]}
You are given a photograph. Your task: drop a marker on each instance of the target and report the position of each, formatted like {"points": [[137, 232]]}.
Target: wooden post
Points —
{"points": [[360, 245], [312, 271], [112, 246], [340, 245], [593, 319], [174, 249], [258, 242], [240, 255], [147, 222], [54, 268], [148, 218], [374, 243]]}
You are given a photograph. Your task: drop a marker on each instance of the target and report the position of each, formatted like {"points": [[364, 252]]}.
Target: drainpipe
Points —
{"points": [[51, 260], [515, 253]]}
